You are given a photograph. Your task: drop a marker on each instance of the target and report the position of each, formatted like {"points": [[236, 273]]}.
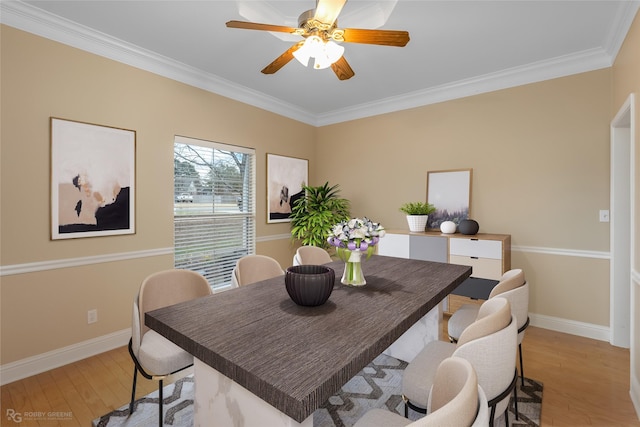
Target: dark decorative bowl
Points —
{"points": [[309, 285], [468, 226]]}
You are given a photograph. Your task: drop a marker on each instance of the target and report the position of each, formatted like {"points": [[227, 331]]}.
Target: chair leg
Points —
{"points": [[492, 415], [515, 399], [160, 423], [133, 389], [521, 368], [506, 417]]}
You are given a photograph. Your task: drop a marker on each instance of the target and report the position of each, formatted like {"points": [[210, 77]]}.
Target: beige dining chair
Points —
{"points": [[514, 288], [311, 255], [254, 268], [456, 399], [154, 356], [489, 344]]}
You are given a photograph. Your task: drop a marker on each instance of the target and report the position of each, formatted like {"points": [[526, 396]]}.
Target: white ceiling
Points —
{"points": [[457, 48]]}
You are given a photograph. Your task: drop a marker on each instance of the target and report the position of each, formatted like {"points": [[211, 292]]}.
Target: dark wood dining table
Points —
{"points": [[293, 357]]}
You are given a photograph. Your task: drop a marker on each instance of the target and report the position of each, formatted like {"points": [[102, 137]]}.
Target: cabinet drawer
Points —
{"points": [[478, 248], [482, 267], [456, 301]]}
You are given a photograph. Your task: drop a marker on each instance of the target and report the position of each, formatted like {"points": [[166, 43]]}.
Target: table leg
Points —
{"points": [[221, 402], [425, 330]]}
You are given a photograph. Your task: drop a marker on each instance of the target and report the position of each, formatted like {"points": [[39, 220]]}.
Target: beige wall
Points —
{"points": [[539, 153], [40, 78], [540, 159], [626, 80]]}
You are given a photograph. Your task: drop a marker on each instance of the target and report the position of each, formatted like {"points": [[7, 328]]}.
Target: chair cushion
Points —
{"points": [[159, 356], [419, 375], [463, 317], [382, 418]]}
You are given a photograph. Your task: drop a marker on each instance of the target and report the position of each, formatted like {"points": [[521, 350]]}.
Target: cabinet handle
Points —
{"points": [[473, 257], [475, 240]]}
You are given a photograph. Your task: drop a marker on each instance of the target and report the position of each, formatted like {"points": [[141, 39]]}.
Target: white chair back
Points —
{"points": [[254, 268], [312, 255], [494, 359], [454, 395]]}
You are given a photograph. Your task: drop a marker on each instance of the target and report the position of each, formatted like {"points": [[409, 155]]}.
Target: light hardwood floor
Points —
{"points": [[586, 383]]}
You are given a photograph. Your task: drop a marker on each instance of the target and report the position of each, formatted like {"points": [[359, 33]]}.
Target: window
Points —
{"points": [[214, 207]]}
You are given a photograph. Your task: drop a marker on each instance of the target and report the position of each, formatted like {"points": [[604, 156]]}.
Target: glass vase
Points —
{"points": [[352, 275]]}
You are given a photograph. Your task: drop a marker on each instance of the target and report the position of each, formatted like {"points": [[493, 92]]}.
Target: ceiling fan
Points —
{"points": [[319, 27]]}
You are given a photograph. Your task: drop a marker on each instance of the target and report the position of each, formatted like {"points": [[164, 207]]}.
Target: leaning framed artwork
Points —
{"points": [[285, 178], [92, 180], [450, 192]]}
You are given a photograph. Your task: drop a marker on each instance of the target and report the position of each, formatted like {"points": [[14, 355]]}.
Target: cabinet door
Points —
{"points": [[396, 245], [428, 248]]}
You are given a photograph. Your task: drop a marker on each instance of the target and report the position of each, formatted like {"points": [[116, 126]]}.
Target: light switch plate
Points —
{"points": [[604, 215]]}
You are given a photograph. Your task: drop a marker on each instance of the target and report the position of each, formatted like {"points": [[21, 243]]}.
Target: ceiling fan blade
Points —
{"points": [[342, 69], [261, 27], [282, 60], [380, 37], [327, 11]]}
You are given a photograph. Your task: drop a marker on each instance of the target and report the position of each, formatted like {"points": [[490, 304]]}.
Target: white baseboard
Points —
{"points": [[587, 330], [635, 395], [53, 359]]}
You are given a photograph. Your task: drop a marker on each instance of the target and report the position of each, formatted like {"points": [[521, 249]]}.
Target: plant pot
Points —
{"points": [[309, 285], [417, 223]]}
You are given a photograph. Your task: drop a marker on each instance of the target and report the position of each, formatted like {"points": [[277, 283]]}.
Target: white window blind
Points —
{"points": [[214, 207]]}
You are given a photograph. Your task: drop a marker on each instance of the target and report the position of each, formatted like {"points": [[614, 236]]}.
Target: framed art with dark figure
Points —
{"points": [[92, 180], [450, 192], [285, 178]]}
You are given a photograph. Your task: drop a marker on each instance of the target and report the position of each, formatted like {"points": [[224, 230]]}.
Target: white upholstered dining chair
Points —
{"points": [[154, 356], [456, 399], [311, 255], [489, 344], [513, 287], [254, 268]]}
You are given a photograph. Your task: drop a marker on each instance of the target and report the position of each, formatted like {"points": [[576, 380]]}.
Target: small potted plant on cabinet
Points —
{"points": [[417, 214]]}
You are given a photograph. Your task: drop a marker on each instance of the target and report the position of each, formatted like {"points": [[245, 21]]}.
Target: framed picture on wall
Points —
{"points": [[285, 178], [92, 180], [450, 192]]}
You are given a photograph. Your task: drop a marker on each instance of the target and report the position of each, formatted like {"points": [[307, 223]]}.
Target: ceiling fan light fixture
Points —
{"points": [[323, 53]]}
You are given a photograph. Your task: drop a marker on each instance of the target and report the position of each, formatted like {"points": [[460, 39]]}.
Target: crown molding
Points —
{"points": [[31, 19], [36, 21]]}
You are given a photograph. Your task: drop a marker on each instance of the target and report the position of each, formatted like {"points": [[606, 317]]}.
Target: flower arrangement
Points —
{"points": [[356, 234]]}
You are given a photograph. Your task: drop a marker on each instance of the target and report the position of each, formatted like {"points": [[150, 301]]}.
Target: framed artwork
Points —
{"points": [[285, 178], [92, 180], [450, 192]]}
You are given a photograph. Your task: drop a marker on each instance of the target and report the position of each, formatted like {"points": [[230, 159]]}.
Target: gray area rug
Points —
{"points": [[377, 386]]}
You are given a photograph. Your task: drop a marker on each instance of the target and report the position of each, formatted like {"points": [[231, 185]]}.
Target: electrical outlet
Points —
{"points": [[604, 215], [92, 316]]}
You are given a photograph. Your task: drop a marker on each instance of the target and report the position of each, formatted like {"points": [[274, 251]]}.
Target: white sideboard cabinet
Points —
{"points": [[488, 254]]}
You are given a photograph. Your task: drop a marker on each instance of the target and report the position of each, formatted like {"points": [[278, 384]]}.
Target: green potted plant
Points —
{"points": [[417, 214], [313, 215]]}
